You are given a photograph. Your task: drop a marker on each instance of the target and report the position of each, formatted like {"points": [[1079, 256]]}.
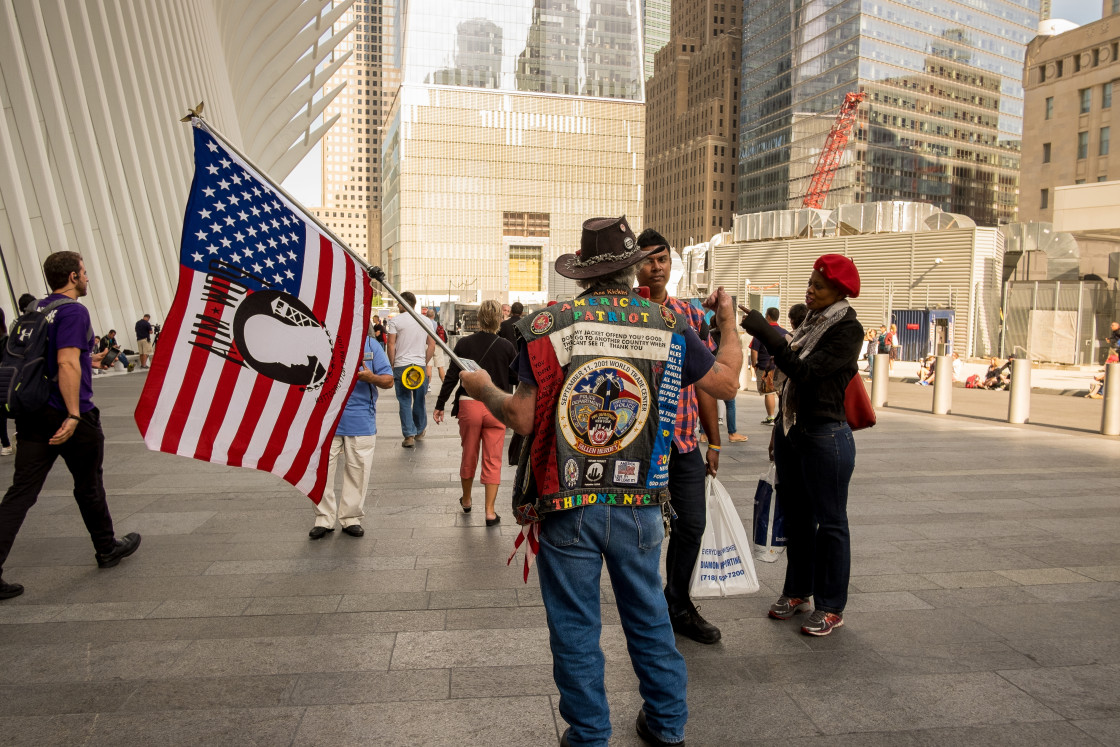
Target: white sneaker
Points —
{"points": [[6, 451]]}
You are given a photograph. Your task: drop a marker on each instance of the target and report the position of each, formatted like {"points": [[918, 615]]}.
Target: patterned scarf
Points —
{"points": [[803, 340]]}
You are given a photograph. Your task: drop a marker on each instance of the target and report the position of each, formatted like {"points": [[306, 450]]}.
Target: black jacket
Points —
{"points": [[822, 378], [490, 352], [508, 330]]}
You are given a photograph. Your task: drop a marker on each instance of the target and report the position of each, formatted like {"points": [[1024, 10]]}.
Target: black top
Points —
{"points": [[143, 330], [823, 376], [490, 352], [507, 331]]}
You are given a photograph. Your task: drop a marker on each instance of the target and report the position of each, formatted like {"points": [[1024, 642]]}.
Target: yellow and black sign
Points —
{"points": [[412, 377]]}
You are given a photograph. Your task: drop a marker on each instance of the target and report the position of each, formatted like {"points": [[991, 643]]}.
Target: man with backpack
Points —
{"points": [[56, 348]]}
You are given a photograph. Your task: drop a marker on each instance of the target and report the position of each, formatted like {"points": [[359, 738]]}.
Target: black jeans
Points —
{"points": [[83, 454], [815, 465], [686, 486]]}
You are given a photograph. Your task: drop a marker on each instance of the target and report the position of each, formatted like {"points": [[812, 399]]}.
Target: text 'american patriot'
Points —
{"points": [[254, 363]]}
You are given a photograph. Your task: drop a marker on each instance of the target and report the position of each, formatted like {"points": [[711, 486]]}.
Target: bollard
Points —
{"points": [[943, 385], [1110, 418], [1019, 408], [879, 379]]}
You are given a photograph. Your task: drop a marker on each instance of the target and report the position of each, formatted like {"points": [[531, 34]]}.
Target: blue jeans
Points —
{"points": [[412, 403], [815, 464], [730, 403], [574, 544]]}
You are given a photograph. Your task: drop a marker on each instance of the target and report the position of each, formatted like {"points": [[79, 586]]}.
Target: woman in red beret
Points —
{"points": [[813, 446]]}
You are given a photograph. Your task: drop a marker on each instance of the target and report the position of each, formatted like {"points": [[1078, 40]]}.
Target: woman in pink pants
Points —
{"points": [[478, 429]]}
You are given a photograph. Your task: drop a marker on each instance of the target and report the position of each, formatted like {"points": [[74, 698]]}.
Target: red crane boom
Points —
{"points": [[833, 151]]}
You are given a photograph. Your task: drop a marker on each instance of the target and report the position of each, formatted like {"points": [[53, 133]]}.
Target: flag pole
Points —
{"points": [[194, 116]]}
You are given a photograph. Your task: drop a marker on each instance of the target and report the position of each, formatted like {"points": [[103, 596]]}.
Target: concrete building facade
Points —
{"points": [[1069, 81], [515, 121], [692, 123], [943, 118], [93, 157]]}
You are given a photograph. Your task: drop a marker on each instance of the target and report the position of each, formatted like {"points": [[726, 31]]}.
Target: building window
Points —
{"points": [[1106, 95], [1105, 134], [1044, 199], [1083, 145], [1046, 152], [525, 268], [1102, 178], [525, 224], [1049, 107], [1086, 96]]}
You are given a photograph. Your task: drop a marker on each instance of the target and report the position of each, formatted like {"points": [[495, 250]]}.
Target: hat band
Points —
{"points": [[605, 258]]}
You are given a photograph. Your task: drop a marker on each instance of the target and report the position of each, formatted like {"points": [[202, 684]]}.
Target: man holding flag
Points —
{"points": [[263, 341]]}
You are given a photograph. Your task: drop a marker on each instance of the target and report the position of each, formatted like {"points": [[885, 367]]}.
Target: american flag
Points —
{"points": [[261, 346]]}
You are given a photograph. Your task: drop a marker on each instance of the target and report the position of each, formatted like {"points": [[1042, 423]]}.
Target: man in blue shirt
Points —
{"points": [[356, 435], [68, 426]]}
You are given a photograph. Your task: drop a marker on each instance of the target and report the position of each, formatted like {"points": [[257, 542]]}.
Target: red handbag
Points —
{"points": [[857, 405]]}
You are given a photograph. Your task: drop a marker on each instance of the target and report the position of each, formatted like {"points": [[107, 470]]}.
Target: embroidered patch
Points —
{"points": [[603, 406], [625, 473], [596, 470], [542, 322], [571, 473], [668, 317]]}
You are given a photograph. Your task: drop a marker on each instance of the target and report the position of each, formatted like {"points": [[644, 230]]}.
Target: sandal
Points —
{"points": [[466, 509]]}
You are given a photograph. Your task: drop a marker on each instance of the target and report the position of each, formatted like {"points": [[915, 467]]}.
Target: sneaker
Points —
{"points": [[787, 607], [7, 591], [822, 623], [131, 367], [6, 451], [690, 624], [768, 421], [736, 437], [408, 442], [122, 548]]}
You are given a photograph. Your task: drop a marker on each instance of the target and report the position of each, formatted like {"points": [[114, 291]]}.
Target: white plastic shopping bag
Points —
{"points": [[769, 531], [724, 566]]}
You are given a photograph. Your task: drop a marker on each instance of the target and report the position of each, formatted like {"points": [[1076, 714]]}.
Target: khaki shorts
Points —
{"points": [[765, 381], [144, 347], [440, 358]]}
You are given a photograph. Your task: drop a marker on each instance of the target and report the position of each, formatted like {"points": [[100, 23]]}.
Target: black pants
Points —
{"points": [[83, 454], [686, 486]]}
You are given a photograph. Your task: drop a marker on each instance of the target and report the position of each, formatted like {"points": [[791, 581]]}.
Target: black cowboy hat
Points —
{"points": [[607, 245]]}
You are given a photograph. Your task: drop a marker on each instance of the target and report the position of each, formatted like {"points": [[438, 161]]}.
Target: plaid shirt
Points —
{"points": [[688, 408]]}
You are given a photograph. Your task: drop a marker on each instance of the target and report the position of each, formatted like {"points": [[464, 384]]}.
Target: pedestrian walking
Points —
{"points": [[354, 441], [598, 383], [478, 429], [687, 469], [409, 345], [813, 446], [438, 355], [765, 368], [67, 426]]}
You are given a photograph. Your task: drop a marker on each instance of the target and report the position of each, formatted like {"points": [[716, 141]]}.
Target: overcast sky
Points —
{"points": [[1078, 11]]}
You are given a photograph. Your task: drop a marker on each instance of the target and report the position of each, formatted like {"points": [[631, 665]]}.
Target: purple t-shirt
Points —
{"points": [[70, 329]]}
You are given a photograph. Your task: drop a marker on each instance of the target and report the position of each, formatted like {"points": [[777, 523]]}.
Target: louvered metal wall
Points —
{"points": [[93, 157], [896, 271]]}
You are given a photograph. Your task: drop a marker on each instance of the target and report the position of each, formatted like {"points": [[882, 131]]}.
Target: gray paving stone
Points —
{"points": [[205, 693], [1103, 648], [490, 721], [83, 662], [901, 703], [501, 617], [1079, 692], [47, 730], [219, 726], [292, 605], [513, 681], [331, 688], [916, 657], [1035, 576], [29, 699], [380, 622], [894, 582], [880, 601], [469, 648], [217, 657], [1105, 730], [473, 598], [229, 607], [402, 600], [106, 611], [1100, 572]]}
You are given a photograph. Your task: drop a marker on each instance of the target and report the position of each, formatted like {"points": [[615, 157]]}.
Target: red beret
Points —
{"points": [[840, 271]]}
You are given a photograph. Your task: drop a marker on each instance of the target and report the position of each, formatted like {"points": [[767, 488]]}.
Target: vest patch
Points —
{"points": [[603, 406]]}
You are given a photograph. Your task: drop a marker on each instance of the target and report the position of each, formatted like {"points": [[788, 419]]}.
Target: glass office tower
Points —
{"points": [[515, 121], [942, 121]]}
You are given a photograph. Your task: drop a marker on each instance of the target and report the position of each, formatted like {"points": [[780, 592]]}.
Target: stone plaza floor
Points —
{"points": [[984, 606]]}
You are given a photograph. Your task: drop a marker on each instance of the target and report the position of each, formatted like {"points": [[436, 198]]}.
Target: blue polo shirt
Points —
{"points": [[359, 417]]}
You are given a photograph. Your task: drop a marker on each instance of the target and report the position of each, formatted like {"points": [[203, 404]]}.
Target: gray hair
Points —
{"points": [[624, 276]]}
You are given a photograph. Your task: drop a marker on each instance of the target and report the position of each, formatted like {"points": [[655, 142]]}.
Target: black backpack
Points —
{"points": [[24, 384]]}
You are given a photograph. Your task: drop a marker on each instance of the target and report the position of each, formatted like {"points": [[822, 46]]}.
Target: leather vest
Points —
{"points": [[608, 367]]}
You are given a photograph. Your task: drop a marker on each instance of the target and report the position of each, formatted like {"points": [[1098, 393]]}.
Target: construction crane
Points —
{"points": [[833, 151]]}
